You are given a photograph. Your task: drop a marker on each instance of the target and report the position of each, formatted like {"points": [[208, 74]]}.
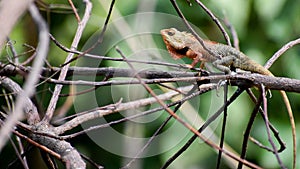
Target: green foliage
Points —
{"points": [[263, 27]]}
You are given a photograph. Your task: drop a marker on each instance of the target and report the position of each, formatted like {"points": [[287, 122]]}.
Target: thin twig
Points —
{"points": [[22, 160], [42, 147], [223, 127], [280, 52], [91, 161], [233, 32], [63, 73], [268, 127], [275, 132], [75, 11], [284, 96], [248, 129], [127, 166], [13, 51], [180, 103], [259, 144], [30, 58], [100, 39], [206, 124], [216, 20]]}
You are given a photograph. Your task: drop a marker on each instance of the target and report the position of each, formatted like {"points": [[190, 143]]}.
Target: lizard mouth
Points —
{"points": [[177, 53]]}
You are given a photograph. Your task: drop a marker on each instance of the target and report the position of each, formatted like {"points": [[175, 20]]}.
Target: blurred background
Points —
{"points": [[263, 27]]}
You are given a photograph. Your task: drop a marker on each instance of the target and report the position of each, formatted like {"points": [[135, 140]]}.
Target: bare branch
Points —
{"points": [[202, 128], [120, 107], [80, 28], [216, 20], [249, 80], [67, 153], [74, 10], [42, 51], [233, 32], [280, 52], [30, 109], [100, 39]]}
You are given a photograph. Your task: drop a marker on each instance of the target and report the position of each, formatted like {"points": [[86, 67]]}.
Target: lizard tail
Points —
{"points": [[262, 70], [290, 114], [292, 121], [257, 68]]}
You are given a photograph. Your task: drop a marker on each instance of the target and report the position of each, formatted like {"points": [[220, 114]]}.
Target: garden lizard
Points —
{"points": [[183, 44]]}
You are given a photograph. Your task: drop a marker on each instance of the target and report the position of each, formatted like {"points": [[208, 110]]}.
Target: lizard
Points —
{"points": [[184, 44]]}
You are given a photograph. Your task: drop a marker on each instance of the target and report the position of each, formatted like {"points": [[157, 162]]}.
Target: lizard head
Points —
{"points": [[178, 43], [177, 39]]}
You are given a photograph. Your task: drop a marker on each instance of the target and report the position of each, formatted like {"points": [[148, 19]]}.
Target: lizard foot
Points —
{"points": [[270, 93], [220, 84], [232, 73], [187, 66]]}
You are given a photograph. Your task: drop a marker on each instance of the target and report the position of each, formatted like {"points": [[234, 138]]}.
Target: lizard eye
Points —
{"points": [[171, 33]]}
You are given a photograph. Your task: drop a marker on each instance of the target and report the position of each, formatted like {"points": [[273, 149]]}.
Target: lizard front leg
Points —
{"points": [[195, 56], [195, 61]]}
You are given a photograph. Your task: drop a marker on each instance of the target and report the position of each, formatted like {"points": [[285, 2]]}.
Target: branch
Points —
{"points": [[68, 154], [97, 113], [33, 77], [216, 20], [30, 109], [274, 83], [57, 90], [245, 80], [281, 51]]}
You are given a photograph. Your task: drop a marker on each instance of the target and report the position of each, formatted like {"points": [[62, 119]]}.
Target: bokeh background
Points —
{"points": [[263, 27]]}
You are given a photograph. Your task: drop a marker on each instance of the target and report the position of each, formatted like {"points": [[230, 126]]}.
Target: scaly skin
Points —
{"points": [[183, 44]]}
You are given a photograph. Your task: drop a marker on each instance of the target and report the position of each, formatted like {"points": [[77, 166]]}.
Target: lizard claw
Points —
{"points": [[232, 73], [270, 93], [220, 83], [186, 66]]}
